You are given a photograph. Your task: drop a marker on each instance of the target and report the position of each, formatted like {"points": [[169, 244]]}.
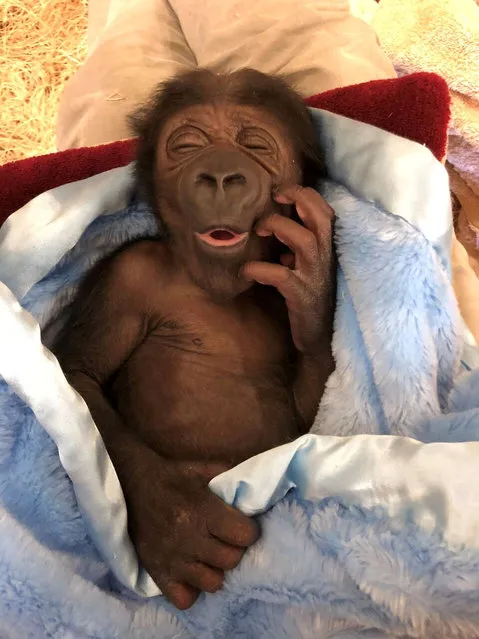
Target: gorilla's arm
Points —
{"points": [[108, 320], [312, 373], [185, 535], [307, 281]]}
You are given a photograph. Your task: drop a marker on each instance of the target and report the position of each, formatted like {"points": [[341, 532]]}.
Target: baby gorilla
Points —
{"points": [[207, 345]]}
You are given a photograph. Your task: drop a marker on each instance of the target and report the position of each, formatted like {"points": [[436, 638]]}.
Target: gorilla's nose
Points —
{"points": [[224, 185], [221, 180]]}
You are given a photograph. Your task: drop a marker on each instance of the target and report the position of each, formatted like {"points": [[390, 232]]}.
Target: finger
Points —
{"points": [[306, 197], [296, 237], [287, 259], [313, 209], [220, 555], [230, 525], [203, 577], [283, 279], [182, 596]]}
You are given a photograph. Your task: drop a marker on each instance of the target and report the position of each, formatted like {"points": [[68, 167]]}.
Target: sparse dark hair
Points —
{"points": [[202, 86]]}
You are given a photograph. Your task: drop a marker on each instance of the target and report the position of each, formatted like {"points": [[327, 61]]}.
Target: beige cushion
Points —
{"points": [[317, 45], [140, 47], [466, 287]]}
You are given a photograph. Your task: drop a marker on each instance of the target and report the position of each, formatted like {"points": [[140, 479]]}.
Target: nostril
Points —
{"points": [[234, 178], [222, 181], [207, 179]]}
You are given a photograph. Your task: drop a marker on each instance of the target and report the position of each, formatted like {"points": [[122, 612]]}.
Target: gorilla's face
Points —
{"points": [[217, 168], [212, 149]]}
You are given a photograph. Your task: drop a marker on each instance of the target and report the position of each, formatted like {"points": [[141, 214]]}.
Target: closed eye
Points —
{"points": [[256, 147], [185, 148], [187, 140], [256, 141]]}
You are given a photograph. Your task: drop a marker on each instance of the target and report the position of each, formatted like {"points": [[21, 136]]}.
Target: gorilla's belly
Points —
{"points": [[196, 405]]}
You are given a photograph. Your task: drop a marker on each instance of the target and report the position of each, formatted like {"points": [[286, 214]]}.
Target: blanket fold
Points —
{"points": [[369, 524]]}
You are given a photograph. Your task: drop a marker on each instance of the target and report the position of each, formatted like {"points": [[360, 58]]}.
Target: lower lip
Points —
{"points": [[234, 244]]}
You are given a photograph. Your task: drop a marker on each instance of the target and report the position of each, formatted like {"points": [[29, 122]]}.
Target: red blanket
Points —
{"points": [[415, 107]]}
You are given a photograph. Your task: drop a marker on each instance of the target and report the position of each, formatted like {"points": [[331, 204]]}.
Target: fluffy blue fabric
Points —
{"points": [[326, 568]]}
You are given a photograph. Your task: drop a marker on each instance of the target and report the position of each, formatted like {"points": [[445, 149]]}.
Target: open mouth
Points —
{"points": [[222, 237]]}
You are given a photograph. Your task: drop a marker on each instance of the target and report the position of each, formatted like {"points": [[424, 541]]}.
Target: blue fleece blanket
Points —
{"points": [[370, 524]]}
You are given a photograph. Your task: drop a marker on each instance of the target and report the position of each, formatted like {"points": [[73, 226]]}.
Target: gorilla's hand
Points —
{"points": [[306, 278], [185, 536]]}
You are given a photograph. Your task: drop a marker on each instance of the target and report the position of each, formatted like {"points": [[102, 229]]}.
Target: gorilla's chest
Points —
{"points": [[211, 380]]}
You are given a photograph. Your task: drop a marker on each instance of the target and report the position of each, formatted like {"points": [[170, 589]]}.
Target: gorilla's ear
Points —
{"points": [[145, 124], [142, 126], [148, 120], [313, 168]]}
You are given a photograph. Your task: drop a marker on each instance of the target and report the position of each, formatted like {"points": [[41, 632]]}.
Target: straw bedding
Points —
{"points": [[42, 43]]}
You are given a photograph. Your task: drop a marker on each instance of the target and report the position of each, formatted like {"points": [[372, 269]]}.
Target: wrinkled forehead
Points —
{"points": [[225, 118]]}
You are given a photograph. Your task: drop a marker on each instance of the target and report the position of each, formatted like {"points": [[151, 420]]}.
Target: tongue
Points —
{"points": [[222, 237]]}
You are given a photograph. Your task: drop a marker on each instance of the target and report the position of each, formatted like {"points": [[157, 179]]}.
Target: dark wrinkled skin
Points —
{"points": [[192, 358]]}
